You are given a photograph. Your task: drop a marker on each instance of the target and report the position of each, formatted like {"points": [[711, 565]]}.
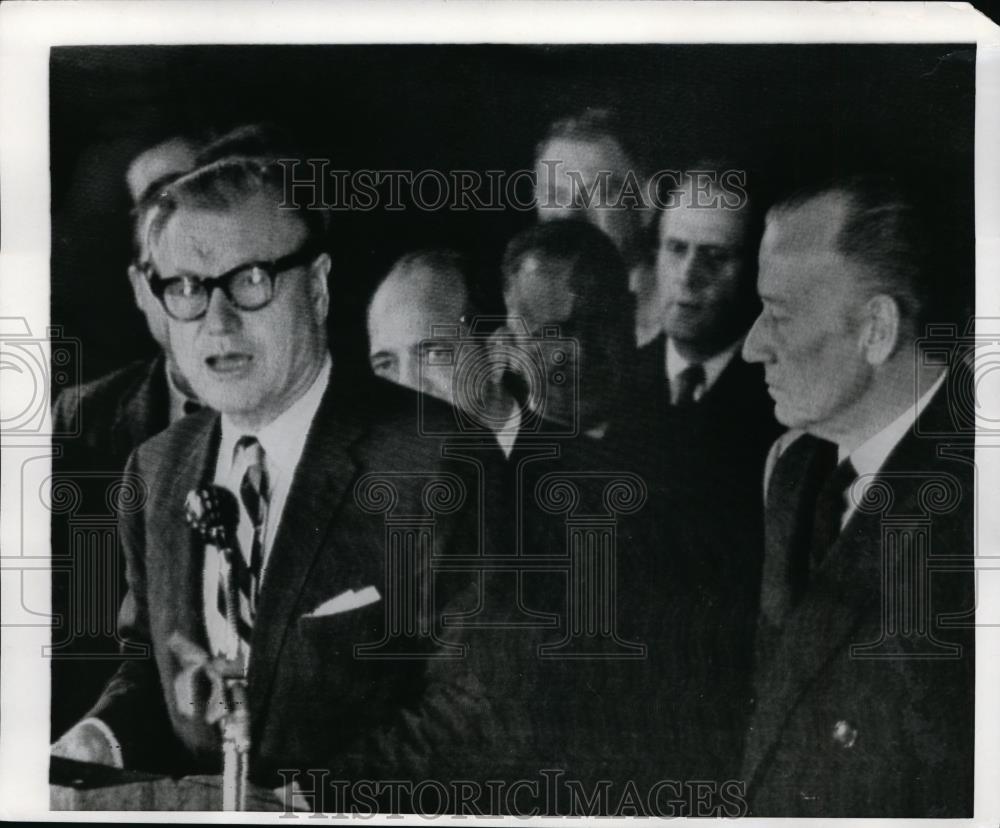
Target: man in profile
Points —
{"points": [[860, 711], [587, 167], [316, 465]]}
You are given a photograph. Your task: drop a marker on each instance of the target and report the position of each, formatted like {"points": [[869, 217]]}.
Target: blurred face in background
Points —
{"points": [[583, 178], [172, 157], [701, 269], [573, 346]]}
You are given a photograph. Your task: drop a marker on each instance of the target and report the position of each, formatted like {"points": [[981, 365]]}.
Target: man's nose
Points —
{"points": [[221, 316], [756, 347], [690, 271]]}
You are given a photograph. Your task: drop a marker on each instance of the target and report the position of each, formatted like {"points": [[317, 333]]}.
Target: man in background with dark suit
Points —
{"points": [[316, 465], [865, 657], [117, 412], [104, 420], [617, 706], [705, 402]]}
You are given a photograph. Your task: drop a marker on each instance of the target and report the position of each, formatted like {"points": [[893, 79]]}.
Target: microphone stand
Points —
{"points": [[214, 513]]}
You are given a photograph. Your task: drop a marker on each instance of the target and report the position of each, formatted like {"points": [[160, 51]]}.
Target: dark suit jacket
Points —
{"points": [[716, 449], [313, 702], [97, 424], [839, 736], [110, 416]]}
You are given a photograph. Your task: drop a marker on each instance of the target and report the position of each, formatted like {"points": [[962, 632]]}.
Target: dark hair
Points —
{"points": [[887, 229], [226, 183], [597, 272]]}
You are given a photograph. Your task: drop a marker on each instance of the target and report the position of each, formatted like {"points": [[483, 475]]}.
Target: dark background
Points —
{"points": [[791, 111]]}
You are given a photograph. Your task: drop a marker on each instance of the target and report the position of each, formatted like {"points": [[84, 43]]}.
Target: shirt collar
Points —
{"points": [[284, 438], [870, 455], [714, 366]]}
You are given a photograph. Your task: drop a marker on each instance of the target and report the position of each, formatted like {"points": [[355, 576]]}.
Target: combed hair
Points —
{"points": [[226, 183], [886, 229]]}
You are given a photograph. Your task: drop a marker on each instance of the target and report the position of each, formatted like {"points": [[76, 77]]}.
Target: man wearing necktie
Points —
{"points": [[714, 422], [244, 283], [864, 681]]}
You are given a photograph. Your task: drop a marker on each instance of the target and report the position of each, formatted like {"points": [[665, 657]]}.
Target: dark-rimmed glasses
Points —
{"points": [[248, 286]]}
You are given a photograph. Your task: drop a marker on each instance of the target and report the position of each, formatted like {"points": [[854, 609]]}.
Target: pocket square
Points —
{"points": [[346, 601]]}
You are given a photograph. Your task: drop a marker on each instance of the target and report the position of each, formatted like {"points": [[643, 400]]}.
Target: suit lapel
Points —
{"points": [[319, 487], [187, 552], [840, 595]]}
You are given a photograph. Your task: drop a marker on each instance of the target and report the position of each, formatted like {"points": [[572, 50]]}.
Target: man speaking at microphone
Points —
{"points": [[244, 283]]}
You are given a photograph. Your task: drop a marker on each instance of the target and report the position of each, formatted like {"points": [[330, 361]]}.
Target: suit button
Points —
{"points": [[845, 734]]}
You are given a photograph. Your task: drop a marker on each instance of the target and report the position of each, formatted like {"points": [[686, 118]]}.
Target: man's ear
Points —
{"points": [[140, 288], [881, 330], [319, 286]]}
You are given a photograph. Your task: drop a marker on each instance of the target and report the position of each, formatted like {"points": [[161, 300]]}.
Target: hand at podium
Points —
{"points": [[90, 741]]}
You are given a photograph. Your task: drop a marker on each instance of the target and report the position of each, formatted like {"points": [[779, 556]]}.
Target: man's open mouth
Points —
{"points": [[229, 363]]}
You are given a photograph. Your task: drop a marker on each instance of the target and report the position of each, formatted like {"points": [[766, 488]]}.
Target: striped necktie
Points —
{"points": [[246, 570]]}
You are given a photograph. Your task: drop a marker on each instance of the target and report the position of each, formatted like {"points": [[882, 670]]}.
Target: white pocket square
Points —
{"points": [[346, 601]]}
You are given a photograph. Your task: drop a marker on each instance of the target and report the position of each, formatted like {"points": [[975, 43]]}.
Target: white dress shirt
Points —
{"points": [[871, 455], [675, 364], [283, 441], [867, 458], [507, 435]]}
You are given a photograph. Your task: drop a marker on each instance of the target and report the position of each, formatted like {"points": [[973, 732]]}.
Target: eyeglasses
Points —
{"points": [[248, 286]]}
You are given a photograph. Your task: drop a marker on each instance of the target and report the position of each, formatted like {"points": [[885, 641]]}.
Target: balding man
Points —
{"points": [[865, 673], [421, 335]]}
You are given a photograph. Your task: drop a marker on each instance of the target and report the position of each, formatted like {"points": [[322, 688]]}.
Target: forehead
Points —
{"points": [[540, 291], [407, 306], [799, 247], [199, 240], [585, 155], [704, 225]]}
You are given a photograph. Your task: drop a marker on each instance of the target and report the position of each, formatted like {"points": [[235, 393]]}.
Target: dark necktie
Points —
{"points": [[255, 494], [805, 505], [191, 407], [688, 381], [831, 504]]}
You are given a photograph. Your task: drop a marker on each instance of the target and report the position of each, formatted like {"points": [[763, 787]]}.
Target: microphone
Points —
{"points": [[213, 513]]}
